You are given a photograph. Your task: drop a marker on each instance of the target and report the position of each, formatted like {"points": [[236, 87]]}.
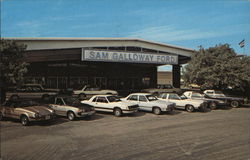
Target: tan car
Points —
{"points": [[31, 91], [71, 107], [26, 111]]}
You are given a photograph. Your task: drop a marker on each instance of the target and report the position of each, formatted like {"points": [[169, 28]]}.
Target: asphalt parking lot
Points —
{"points": [[216, 135]]}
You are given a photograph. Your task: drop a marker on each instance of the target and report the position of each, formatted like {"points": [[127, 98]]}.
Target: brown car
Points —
{"points": [[26, 111]]}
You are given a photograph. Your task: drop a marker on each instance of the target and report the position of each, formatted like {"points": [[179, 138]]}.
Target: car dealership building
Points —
{"points": [[113, 63]]}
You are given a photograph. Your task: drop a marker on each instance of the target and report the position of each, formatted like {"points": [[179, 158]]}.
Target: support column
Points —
{"points": [[153, 77], [68, 75], [176, 75]]}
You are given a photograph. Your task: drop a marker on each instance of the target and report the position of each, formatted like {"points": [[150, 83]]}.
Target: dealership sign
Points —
{"points": [[131, 57]]}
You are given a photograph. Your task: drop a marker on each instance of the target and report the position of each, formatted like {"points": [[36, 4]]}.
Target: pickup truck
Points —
{"points": [[188, 104], [88, 92]]}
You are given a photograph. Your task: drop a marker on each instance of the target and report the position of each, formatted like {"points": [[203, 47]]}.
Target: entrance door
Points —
{"points": [[100, 82]]}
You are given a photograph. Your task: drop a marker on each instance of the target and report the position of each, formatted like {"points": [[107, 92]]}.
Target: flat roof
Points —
{"points": [[91, 39]]}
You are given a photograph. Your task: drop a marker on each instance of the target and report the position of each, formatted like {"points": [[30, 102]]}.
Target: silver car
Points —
{"points": [[148, 102], [71, 107]]}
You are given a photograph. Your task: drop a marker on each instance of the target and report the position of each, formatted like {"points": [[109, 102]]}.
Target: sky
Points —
{"points": [[188, 24]]}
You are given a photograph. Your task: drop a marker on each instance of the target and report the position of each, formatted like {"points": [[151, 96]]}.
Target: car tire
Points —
{"points": [[82, 96], [117, 112], [156, 110], [189, 108], [24, 120], [212, 105], [14, 97], [1, 116], [234, 104], [71, 116]]}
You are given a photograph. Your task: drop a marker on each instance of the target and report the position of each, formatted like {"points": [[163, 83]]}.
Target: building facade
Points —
{"points": [[113, 63]]}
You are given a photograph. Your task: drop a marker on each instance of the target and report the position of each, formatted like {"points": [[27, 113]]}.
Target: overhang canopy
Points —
{"points": [[34, 44]]}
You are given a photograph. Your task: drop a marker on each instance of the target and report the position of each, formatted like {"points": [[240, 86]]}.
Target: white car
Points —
{"points": [[71, 107], [109, 103], [148, 102], [213, 103], [188, 104], [87, 92]]}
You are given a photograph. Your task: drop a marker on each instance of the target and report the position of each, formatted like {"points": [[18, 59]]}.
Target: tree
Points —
{"points": [[218, 67], [12, 65]]}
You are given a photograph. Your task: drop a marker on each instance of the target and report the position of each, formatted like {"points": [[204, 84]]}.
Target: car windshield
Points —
{"points": [[71, 101], [151, 98], [197, 95], [113, 99]]}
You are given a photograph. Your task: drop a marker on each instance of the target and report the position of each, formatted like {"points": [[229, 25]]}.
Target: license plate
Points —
{"points": [[47, 117]]}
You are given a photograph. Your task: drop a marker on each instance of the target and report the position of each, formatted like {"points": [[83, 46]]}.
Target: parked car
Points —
{"points": [[162, 89], [109, 103], [70, 107], [232, 101], [188, 104], [31, 91], [212, 103], [87, 92], [148, 102], [26, 111]]}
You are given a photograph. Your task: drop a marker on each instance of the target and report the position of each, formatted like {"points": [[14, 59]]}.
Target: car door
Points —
{"points": [[9, 110], [102, 104], [144, 104], [59, 107], [176, 99], [134, 99]]}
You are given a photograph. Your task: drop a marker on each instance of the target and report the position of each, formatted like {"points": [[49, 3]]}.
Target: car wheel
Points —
{"points": [[71, 116], [117, 112], [82, 96], [212, 105], [189, 108], [1, 116], [157, 110], [234, 104], [14, 97], [24, 120]]}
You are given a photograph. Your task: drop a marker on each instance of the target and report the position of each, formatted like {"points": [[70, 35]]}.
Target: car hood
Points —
{"points": [[81, 106], [42, 110], [195, 100], [229, 98], [162, 102], [107, 90], [124, 103]]}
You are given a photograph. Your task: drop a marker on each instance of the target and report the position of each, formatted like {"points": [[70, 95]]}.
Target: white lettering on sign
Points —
{"points": [[111, 56]]}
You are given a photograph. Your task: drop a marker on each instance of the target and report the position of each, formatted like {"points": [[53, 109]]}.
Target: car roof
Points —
{"points": [[140, 94], [104, 95]]}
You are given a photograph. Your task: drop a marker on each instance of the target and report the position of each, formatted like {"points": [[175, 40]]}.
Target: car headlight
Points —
{"points": [[37, 115], [81, 110], [53, 111]]}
